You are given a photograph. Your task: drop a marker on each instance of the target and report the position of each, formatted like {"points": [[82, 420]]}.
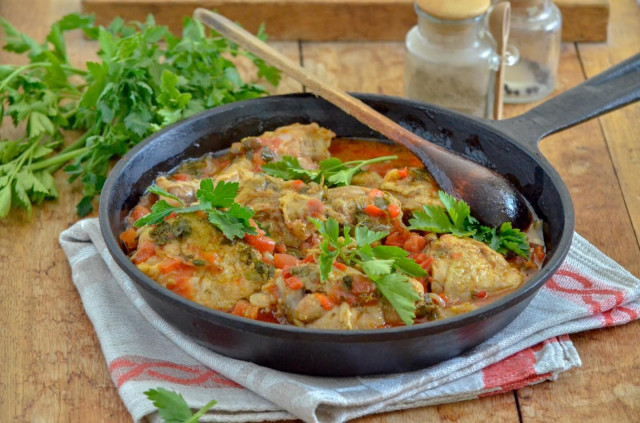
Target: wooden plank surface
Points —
{"points": [[51, 366], [331, 20]]}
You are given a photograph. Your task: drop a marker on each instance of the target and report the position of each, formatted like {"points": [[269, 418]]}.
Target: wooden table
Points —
{"points": [[51, 366]]}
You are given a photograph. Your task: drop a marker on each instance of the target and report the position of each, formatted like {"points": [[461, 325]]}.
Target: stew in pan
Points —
{"points": [[298, 227]]}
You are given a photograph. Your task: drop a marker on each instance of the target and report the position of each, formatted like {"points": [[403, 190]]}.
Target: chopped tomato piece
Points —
{"points": [[180, 177], [414, 243], [293, 282], [325, 302], [209, 257], [338, 295], [138, 212], [298, 184], [129, 237], [481, 294], [182, 287], [144, 252], [280, 247], [374, 211], [340, 266], [169, 265], [244, 308], [309, 259], [538, 252], [262, 243], [282, 260], [403, 173], [396, 239], [361, 285], [394, 211], [315, 207], [375, 193]]}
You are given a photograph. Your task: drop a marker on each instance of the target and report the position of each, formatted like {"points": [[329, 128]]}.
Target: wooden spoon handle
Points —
{"points": [[349, 104]]}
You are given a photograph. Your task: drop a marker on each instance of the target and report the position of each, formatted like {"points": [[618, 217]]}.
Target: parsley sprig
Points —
{"points": [[173, 408], [388, 267], [455, 218], [333, 172], [217, 201], [145, 78]]}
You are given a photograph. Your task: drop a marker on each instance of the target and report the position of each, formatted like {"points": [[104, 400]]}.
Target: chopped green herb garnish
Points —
{"points": [[217, 201], [455, 218], [333, 172], [388, 267]]}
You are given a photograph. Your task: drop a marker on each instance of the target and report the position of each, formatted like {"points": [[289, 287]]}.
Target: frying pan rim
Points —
{"points": [[141, 280]]}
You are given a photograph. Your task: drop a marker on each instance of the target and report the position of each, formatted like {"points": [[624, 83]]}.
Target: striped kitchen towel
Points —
{"points": [[142, 351]]}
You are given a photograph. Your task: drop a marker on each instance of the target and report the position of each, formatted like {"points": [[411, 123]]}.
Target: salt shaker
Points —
{"points": [[536, 27], [450, 57]]}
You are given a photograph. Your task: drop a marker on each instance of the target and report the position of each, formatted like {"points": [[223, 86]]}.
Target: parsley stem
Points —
{"points": [[58, 160], [23, 68], [201, 413]]}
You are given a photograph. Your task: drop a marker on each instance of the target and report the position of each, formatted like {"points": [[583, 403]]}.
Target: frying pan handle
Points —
{"points": [[613, 88]]}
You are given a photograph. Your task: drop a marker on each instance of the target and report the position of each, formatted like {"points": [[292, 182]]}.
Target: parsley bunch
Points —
{"points": [[455, 218], [217, 201], [145, 78], [173, 408], [333, 172], [388, 267]]}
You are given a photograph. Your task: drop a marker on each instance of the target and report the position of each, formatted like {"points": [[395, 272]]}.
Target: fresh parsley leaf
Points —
{"points": [[289, 168], [395, 287], [222, 195], [233, 221], [333, 172], [365, 236], [376, 268], [173, 408], [455, 218]]}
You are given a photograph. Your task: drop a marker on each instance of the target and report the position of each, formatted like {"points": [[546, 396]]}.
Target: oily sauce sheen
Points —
{"points": [[275, 276]]}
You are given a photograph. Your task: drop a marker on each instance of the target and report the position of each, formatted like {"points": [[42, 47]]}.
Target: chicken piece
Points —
{"points": [[346, 317], [308, 143], [413, 191], [184, 190], [240, 168], [193, 259], [298, 206], [464, 266]]}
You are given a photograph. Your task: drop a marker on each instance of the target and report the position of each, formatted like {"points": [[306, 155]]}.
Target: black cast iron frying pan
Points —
{"points": [[509, 147]]}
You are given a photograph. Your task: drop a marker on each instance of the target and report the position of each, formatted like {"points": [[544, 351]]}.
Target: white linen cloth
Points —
{"points": [[142, 351]]}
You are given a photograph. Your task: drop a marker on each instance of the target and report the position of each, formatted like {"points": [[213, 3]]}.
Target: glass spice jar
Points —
{"points": [[536, 29], [450, 58]]}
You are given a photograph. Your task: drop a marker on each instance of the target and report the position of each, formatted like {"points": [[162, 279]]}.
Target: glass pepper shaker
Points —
{"points": [[450, 57], [536, 27]]}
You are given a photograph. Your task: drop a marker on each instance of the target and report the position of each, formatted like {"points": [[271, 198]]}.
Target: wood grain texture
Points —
{"points": [[51, 366], [331, 20]]}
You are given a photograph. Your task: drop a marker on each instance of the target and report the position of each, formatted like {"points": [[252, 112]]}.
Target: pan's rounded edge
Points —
{"points": [[315, 351]]}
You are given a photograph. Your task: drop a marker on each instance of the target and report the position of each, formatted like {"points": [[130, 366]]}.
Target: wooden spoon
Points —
{"points": [[492, 199]]}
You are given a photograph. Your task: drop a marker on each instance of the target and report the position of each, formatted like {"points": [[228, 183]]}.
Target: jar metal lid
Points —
{"points": [[454, 9]]}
